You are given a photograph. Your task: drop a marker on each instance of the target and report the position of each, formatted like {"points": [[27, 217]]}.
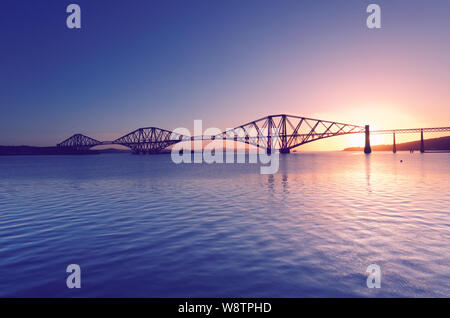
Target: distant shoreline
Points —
{"points": [[37, 151], [435, 145]]}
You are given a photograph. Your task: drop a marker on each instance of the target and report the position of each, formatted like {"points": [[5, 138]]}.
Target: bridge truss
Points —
{"points": [[149, 140], [411, 131], [272, 133], [79, 142], [285, 132], [276, 132]]}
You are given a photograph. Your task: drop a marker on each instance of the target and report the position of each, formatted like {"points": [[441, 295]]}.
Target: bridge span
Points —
{"points": [[271, 133]]}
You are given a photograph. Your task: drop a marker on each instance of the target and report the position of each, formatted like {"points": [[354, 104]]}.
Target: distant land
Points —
{"points": [[434, 144], [29, 150]]}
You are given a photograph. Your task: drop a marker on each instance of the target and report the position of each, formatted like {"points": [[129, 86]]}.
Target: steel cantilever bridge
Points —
{"points": [[272, 133]]}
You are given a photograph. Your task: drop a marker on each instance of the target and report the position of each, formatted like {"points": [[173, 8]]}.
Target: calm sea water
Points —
{"points": [[142, 226]]}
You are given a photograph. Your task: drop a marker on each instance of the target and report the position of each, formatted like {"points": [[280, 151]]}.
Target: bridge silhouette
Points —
{"points": [[272, 133]]}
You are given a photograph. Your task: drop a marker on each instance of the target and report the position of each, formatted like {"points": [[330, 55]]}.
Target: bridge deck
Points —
{"points": [[410, 130]]}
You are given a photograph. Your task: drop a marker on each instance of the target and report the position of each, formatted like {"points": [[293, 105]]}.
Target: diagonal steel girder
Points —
{"points": [[149, 140], [79, 142]]}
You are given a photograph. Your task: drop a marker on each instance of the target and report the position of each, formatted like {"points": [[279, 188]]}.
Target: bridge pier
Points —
{"points": [[394, 146], [235, 150], [269, 135], [367, 148], [422, 144], [285, 150]]}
